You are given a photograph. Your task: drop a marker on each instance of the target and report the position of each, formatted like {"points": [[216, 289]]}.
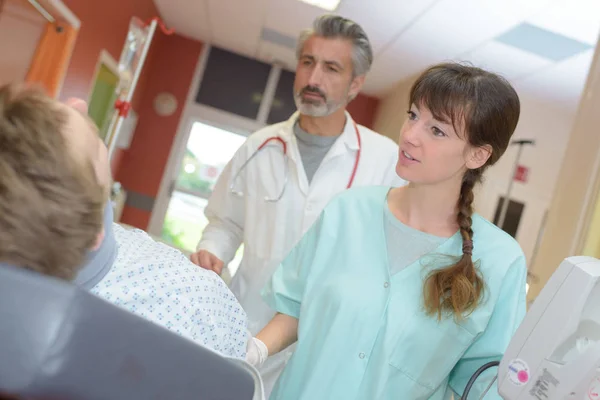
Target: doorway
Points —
{"points": [[209, 148]]}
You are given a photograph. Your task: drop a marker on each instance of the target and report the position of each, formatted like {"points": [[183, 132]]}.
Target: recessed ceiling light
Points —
{"points": [[328, 5], [542, 42]]}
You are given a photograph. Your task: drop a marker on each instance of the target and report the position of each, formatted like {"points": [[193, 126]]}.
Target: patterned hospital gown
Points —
{"points": [[159, 283]]}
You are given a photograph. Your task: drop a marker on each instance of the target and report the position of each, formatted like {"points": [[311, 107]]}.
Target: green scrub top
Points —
{"points": [[363, 333]]}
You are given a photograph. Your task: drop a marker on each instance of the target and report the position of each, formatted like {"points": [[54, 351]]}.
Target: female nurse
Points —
{"points": [[404, 293]]}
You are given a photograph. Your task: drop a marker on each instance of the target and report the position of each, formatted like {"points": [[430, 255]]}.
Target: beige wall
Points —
{"points": [[576, 194], [20, 31], [592, 241], [391, 111], [549, 125]]}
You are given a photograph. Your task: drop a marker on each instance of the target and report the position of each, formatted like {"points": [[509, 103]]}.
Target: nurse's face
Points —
{"points": [[324, 80], [432, 151]]}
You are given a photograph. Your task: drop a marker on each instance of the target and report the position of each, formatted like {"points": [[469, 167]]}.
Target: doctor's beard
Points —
{"points": [[318, 108]]}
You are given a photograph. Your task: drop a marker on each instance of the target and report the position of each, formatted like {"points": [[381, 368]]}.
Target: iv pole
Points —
{"points": [[123, 105], [521, 143]]}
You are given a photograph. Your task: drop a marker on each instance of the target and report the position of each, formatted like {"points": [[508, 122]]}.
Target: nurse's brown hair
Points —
{"points": [[485, 108]]}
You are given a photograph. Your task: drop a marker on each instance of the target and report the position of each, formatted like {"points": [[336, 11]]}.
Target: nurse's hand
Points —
{"points": [[256, 352], [208, 261]]}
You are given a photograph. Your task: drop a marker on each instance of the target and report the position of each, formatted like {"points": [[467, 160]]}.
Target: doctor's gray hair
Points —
{"points": [[336, 27]]}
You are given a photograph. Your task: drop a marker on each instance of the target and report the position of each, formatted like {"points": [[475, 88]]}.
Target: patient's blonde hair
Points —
{"points": [[51, 204]]}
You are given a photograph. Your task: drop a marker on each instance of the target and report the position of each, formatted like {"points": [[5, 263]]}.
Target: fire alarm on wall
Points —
{"points": [[521, 174]]}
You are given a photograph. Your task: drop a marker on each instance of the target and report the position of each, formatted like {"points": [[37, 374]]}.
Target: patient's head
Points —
{"points": [[54, 182]]}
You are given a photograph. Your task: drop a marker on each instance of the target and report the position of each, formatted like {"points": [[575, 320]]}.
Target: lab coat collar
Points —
{"points": [[348, 141], [348, 136]]}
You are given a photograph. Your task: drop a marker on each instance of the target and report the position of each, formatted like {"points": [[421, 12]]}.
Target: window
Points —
{"points": [[233, 83], [283, 105]]}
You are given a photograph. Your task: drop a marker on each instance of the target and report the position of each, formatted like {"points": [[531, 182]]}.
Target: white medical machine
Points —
{"points": [[555, 353]]}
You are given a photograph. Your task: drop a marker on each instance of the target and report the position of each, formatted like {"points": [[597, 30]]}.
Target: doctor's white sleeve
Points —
{"points": [[508, 313], [226, 214]]}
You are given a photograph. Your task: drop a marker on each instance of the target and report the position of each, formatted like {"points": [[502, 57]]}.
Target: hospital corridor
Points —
{"points": [[300, 199]]}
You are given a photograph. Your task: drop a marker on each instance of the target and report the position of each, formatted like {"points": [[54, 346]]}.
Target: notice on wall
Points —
{"points": [[521, 174]]}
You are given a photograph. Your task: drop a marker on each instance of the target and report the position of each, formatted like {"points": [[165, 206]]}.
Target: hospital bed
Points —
{"points": [[58, 341]]}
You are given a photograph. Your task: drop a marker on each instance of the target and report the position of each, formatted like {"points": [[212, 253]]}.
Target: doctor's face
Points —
{"points": [[324, 80], [432, 151]]}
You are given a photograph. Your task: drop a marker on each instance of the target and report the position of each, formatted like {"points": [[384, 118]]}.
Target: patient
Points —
{"points": [[55, 218]]}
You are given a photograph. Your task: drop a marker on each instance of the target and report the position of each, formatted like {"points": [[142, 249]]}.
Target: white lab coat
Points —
{"points": [[270, 230]]}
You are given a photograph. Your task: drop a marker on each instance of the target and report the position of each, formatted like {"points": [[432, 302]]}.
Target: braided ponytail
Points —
{"points": [[485, 108], [458, 288]]}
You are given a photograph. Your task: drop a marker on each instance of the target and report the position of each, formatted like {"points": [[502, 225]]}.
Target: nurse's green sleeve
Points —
{"points": [[490, 346], [285, 290]]}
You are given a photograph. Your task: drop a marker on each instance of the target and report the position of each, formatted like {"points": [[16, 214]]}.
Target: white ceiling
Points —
{"points": [[409, 35]]}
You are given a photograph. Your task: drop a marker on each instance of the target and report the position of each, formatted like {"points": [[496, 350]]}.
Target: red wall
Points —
{"points": [[171, 70], [104, 25], [363, 109]]}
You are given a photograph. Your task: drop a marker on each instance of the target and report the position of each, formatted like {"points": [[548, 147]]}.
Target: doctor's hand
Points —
{"points": [[256, 352], [208, 261]]}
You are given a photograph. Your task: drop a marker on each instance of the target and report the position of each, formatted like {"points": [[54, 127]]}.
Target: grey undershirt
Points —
{"points": [[405, 245], [313, 149]]}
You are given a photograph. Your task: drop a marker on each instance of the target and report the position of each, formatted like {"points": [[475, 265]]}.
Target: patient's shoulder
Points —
{"points": [[137, 242], [137, 249]]}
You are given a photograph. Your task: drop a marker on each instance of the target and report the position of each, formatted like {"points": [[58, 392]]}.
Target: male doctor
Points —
{"points": [[270, 202]]}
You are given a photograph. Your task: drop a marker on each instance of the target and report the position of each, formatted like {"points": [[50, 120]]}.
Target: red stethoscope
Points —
{"points": [[284, 147]]}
